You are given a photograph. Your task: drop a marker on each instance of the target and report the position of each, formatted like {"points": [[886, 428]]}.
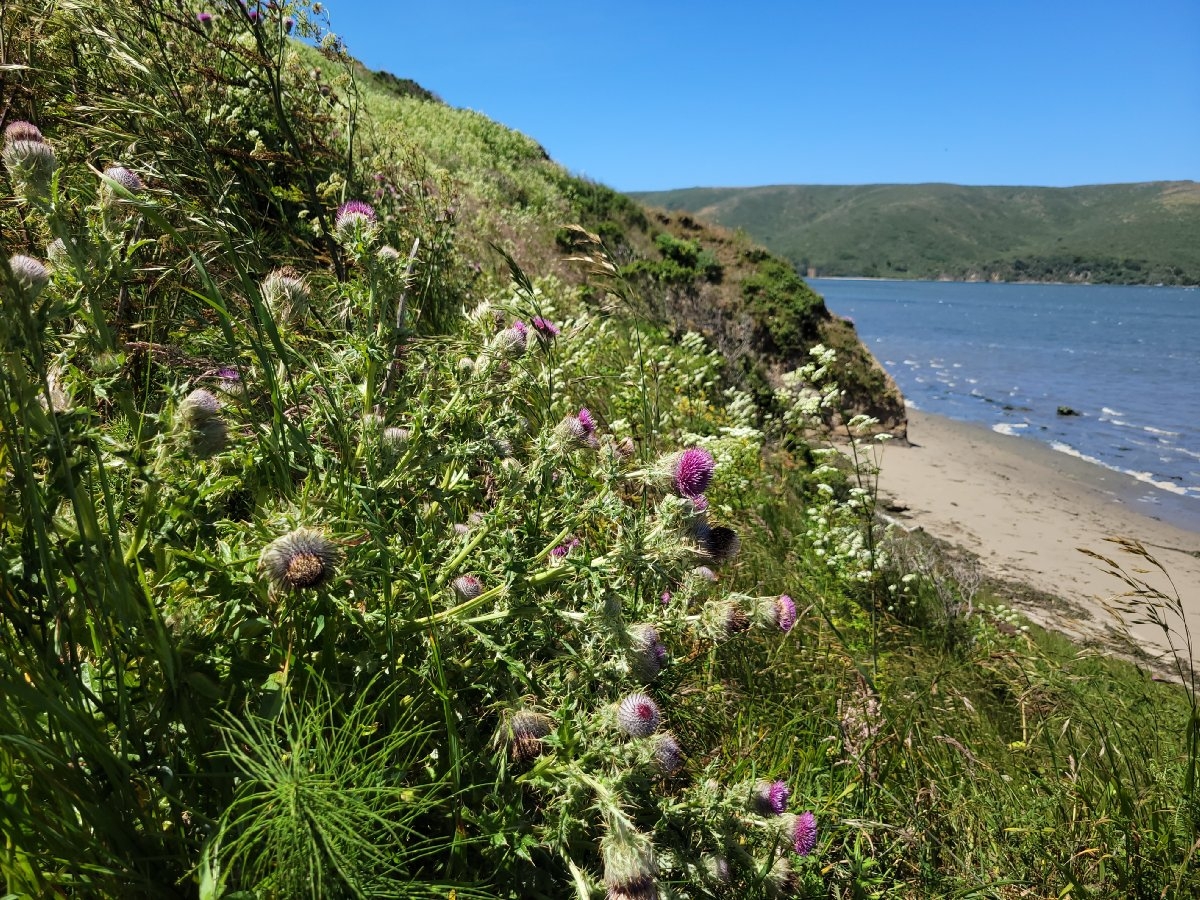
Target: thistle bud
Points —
{"points": [[668, 754], [649, 653], [355, 221], [781, 880], [522, 731], [512, 342], [629, 864], [31, 164], [286, 296], [638, 715], [22, 131], [30, 274], [119, 175], [717, 543], [467, 587]]}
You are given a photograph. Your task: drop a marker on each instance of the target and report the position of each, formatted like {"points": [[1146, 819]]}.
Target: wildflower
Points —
{"points": [[638, 715], [545, 329], [804, 833], [562, 550], [301, 559], [388, 254], [125, 178], [771, 797], [726, 618], [288, 24], [523, 732], [467, 587], [204, 18], [577, 432], [31, 164], [668, 754], [30, 274], [587, 421], [691, 471], [286, 296], [253, 14], [781, 880], [781, 611], [665, 598], [717, 543], [355, 219], [22, 131]]}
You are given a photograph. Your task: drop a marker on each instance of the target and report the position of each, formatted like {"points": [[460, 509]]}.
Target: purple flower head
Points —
{"points": [[649, 652], [22, 131], [804, 833], [699, 504], [784, 613], [353, 211], [546, 330], [586, 420], [125, 178], [666, 597], [771, 798], [521, 328], [638, 715], [204, 18], [693, 471], [229, 374], [288, 24], [562, 550]]}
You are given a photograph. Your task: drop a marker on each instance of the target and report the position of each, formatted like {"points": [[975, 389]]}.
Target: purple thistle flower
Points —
{"points": [[784, 613], [804, 833], [562, 550], [204, 18], [229, 374], [546, 330], [521, 328], [586, 420], [668, 754], [253, 14], [771, 798], [638, 715], [353, 211], [22, 131], [666, 597], [699, 504], [288, 24], [693, 471]]}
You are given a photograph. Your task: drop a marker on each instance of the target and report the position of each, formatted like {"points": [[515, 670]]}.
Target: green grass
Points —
{"points": [[1119, 233]]}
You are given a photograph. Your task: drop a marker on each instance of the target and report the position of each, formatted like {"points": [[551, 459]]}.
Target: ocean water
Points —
{"points": [[1127, 359]]}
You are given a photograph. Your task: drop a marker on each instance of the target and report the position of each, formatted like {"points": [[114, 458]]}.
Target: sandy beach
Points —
{"points": [[1024, 509]]}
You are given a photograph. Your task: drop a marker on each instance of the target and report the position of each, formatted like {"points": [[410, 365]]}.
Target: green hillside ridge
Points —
{"points": [[1146, 233], [386, 513]]}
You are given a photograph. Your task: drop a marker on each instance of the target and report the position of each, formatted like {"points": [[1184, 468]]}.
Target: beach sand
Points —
{"points": [[1024, 509]]}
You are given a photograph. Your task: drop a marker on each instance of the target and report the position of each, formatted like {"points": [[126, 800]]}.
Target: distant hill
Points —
{"points": [[1111, 233]]}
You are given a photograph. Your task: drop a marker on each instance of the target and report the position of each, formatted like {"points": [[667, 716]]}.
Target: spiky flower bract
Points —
{"points": [[30, 274], [649, 653], [22, 131], [198, 407], [771, 797], [629, 863], [725, 618], [286, 296], [668, 754], [781, 880], [512, 342], [130, 181], [31, 165], [638, 715], [301, 559], [355, 222], [577, 432], [467, 587]]}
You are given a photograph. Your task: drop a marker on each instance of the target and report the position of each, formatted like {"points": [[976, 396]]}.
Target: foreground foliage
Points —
{"points": [[337, 563]]}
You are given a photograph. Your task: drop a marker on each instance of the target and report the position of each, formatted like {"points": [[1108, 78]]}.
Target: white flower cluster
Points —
{"points": [[807, 392]]}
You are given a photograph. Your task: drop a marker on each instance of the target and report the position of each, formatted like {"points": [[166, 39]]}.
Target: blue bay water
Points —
{"points": [[1127, 358]]}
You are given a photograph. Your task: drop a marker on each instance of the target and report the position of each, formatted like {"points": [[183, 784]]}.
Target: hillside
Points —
{"points": [[386, 513], [1105, 234]]}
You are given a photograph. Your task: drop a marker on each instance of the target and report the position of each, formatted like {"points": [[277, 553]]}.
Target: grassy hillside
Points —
{"points": [[367, 532], [1117, 233]]}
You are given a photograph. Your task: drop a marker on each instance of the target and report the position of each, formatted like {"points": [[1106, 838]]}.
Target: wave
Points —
{"points": [[1009, 428], [1144, 477], [1105, 411], [1161, 431]]}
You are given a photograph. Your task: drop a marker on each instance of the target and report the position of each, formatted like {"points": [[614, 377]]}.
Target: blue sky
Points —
{"points": [[656, 94]]}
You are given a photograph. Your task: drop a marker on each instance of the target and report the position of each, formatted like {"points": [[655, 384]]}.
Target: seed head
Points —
{"points": [[286, 296], [301, 559], [467, 587], [668, 754], [30, 274], [771, 797], [31, 165], [638, 715], [22, 131], [692, 471]]}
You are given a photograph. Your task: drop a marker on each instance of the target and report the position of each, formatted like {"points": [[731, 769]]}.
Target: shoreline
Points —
{"points": [[1024, 508], [989, 281]]}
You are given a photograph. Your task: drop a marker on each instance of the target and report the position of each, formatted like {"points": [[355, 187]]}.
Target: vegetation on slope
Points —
{"points": [[339, 557], [1099, 234]]}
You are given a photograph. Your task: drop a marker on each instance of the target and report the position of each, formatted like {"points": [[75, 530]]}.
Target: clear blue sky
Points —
{"points": [[656, 94]]}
